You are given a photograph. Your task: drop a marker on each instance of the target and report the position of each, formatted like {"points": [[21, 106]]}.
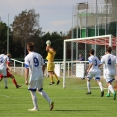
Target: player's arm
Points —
{"points": [[8, 66], [89, 67], [90, 64], [26, 71], [43, 65], [47, 48], [101, 62], [43, 68], [26, 75], [100, 65]]}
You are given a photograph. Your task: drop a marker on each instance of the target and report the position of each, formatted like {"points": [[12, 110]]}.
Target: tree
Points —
{"points": [[25, 27], [3, 35]]}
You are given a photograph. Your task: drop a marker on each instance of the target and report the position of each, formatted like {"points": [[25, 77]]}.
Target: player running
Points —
{"points": [[3, 66], [110, 62], [35, 64], [94, 71], [9, 75], [50, 64]]}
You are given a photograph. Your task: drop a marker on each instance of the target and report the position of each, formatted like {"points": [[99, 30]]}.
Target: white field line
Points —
{"points": [[4, 96], [52, 97]]}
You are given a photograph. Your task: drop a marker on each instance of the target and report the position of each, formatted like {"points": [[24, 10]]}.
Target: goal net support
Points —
{"points": [[74, 71]]}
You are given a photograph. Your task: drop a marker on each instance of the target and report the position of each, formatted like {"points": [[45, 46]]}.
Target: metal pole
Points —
{"points": [[106, 25], [77, 37], [72, 21], [72, 38], [8, 36], [86, 30], [64, 66], [96, 26]]}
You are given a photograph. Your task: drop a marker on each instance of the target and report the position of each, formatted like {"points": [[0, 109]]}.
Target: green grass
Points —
{"points": [[69, 102]]}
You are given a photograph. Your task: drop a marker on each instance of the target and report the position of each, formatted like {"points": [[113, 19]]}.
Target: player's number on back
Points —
{"points": [[36, 62], [109, 61], [95, 62], [1, 60]]}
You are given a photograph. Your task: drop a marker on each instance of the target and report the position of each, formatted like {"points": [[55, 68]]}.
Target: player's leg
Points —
{"points": [[1, 77], [51, 77], [112, 90], [109, 80], [13, 79], [41, 92], [89, 77], [97, 78], [58, 81], [51, 103], [108, 94], [4, 73], [54, 74], [50, 72], [32, 89], [5, 82], [34, 99]]}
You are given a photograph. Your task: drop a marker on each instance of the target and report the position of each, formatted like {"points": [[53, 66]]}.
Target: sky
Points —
{"points": [[55, 15]]}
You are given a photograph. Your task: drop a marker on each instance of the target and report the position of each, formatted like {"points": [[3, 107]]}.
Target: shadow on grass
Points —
{"points": [[76, 110], [72, 110]]}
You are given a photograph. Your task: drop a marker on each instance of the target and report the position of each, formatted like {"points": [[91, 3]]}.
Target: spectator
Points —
{"points": [[81, 58]]}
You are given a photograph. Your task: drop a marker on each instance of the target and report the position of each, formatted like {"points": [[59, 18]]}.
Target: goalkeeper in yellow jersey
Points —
{"points": [[50, 64]]}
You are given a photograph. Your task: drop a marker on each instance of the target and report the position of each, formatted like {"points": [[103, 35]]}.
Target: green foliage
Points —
{"points": [[25, 28], [3, 35]]}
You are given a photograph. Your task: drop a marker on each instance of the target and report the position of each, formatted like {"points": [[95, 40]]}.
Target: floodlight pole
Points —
{"points": [[96, 25], [72, 36], [8, 35]]}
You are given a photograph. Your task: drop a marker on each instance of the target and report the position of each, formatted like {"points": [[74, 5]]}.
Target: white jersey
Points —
{"points": [[95, 63], [3, 61], [34, 62], [110, 61]]}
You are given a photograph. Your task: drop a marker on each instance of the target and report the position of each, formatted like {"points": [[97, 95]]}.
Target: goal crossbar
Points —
{"points": [[98, 40]]}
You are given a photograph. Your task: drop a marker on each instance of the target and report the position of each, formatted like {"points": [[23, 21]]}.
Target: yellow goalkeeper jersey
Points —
{"points": [[51, 54]]}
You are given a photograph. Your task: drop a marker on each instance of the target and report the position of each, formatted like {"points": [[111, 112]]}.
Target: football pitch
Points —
{"points": [[69, 102]]}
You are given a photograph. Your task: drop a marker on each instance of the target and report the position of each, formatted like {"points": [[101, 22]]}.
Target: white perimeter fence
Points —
{"points": [[76, 69]]}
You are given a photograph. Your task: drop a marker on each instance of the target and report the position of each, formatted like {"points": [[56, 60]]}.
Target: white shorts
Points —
{"points": [[96, 76], [36, 85], [3, 72], [109, 78]]}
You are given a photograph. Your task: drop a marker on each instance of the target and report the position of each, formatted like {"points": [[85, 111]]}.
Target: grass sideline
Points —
{"points": [[68, 102]]}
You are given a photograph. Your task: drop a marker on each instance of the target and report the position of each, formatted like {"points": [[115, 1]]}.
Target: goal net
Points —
{"points": [[74, 72]]}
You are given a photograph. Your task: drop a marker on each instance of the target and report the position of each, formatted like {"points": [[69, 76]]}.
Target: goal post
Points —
{"points": [[74, 47]]}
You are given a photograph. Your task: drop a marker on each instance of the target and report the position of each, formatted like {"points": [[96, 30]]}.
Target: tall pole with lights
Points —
{"points": [[8, 36]]}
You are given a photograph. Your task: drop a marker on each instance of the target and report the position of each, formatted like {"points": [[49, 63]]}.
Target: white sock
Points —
{"points": [[88, 86], [5, 81], [100, 85], [108, 91], [34, 99], [111, 88], [45, 96]]}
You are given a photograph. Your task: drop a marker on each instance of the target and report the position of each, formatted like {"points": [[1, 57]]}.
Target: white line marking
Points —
{"points": [[53, 97], [4, 96]]}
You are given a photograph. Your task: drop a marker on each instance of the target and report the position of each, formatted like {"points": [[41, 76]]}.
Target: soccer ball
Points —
{"points": [[48, 43]]}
